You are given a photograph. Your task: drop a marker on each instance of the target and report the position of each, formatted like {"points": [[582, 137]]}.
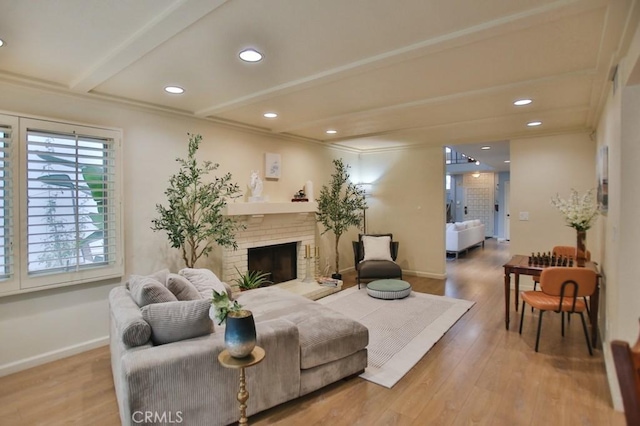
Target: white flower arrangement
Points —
{"points": [[579, 211]]}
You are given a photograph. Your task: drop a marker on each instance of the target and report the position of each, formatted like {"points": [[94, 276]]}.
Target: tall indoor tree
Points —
{"points": [[340, 205], [194, 217]]}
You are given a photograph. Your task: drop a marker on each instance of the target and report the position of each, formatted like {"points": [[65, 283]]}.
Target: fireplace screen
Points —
{"points": [[280, 261]]}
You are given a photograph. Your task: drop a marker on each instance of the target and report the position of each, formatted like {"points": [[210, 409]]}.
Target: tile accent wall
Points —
{"points": [[266, 230]]}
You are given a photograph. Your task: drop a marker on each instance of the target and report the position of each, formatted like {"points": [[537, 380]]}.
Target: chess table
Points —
{"points": [[521, 265]]}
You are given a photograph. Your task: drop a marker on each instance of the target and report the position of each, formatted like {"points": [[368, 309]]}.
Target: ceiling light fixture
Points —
{"points": [[270, 115], [250, 55], [1, 42], [486, 147], [476, 174], [534, 123], [175, 90], [477, 163], [521, 102], [331, 132], [507, 161]]}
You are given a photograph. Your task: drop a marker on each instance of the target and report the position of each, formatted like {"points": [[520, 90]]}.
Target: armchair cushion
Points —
{"points": [[205, 281], [182, 288], [376, 248], [379, 269], [146, 290]]}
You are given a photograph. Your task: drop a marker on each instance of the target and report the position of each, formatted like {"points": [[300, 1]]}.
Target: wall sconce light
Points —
{"points": [[476, 174]]}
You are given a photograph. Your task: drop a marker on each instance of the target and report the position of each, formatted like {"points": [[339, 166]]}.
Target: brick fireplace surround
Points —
{"points": [[268, 224]]}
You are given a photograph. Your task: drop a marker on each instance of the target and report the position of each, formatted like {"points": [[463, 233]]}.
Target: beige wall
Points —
{"points": [[43, 325], [540, 168], [408, 200]]}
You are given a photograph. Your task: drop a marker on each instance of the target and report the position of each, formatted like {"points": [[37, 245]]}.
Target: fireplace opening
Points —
{"points": [[280, 261]]}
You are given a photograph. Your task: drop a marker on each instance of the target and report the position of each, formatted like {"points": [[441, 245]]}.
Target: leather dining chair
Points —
{"points": [[562, 290], [627, 362]]}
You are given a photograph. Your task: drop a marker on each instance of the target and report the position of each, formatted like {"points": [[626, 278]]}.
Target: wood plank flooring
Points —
{"points": [[478, 373]]}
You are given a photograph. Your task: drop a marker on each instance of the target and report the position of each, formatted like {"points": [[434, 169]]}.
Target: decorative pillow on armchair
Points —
{"points": [[175, 321], [376, 248]]}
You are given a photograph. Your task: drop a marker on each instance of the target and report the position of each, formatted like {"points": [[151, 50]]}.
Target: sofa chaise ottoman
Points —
{"points": [[307, 345]]}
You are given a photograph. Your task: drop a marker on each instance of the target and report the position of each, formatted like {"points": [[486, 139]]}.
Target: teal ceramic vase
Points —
{"points": [[240, 333]]}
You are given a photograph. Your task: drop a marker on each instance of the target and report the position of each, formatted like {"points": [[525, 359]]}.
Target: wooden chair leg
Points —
{"points": [[586, 334], [539, 327]]}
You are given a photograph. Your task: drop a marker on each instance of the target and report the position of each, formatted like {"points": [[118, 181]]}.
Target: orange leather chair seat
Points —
{"points": [[545, 302]]}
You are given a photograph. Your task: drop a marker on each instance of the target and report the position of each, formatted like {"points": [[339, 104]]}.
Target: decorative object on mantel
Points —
{"points": [[194, 218], [340, 206], [308, 255], [300, 196], [579, 213], [272, 166], [255, 184]]}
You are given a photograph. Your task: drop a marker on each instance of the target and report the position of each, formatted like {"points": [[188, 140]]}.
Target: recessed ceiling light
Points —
{"points": [[507, 161], [477, 163], [331, 132], [521, 102], [534, 123], [270, 115], [174, 90], [486, 147], [250, 55], [1, 42]]}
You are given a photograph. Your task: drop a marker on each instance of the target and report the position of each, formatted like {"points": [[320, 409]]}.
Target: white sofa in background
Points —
{"points": [[460, 236]]}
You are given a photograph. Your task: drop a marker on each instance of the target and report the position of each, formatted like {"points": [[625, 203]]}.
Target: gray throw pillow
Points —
{"points": [[146, 290], [160, 276], [135, 331], [175, 321], [182, 288]]}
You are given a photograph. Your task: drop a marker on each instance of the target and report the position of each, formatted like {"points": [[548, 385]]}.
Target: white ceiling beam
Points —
{"points": [[430, 101], [180, 15], [489, 29]]}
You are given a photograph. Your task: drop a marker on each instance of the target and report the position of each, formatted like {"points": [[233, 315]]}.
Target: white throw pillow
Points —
{"points": [[460, 226], [376, 248], [204, 280]]}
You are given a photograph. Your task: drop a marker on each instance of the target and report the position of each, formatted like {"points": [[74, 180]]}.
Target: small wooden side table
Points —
{"points": [[255, 357]]}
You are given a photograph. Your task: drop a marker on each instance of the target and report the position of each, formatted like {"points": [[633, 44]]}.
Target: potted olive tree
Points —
{"points": [[340, 206], [193, 218]]}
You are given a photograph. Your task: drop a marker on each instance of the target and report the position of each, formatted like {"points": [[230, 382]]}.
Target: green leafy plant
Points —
{"points": [[251, 279], [340, 205], [91, 184], [194, 217], [223, 306]]}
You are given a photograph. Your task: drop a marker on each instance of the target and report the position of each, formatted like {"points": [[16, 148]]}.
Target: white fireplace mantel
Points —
{"points": [[249, 209]]}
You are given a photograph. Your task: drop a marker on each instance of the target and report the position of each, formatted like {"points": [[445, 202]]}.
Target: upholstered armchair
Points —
{"points": [[375, 256]]}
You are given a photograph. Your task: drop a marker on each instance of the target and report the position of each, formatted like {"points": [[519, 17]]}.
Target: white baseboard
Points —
{"points": [[23, 364], [424, 274]]}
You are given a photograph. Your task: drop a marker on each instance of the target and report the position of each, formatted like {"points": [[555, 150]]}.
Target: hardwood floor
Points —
{"points": [[478, 373]]}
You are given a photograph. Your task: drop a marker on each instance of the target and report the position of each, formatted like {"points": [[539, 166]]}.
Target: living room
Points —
{"points": [[407, 195]]}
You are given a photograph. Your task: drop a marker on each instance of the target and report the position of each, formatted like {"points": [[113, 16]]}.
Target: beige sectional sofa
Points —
{"points": [[307, 346]]}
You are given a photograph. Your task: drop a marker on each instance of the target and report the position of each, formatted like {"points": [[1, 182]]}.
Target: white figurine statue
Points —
{"points": [[255, 185]]}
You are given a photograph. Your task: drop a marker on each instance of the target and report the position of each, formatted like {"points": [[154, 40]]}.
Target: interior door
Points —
{"points": [[507, 212]]}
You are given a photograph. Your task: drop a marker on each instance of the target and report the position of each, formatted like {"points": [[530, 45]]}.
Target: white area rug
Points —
{"points": [[401, 331]]}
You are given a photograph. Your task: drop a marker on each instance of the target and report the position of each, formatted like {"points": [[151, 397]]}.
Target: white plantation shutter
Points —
{"points": [[70, 202], [6, 199]]}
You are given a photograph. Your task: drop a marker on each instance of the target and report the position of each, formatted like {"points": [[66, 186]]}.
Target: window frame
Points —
{"points": [[21, 281]]}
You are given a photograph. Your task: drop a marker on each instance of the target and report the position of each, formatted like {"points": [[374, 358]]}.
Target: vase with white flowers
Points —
{"points": [[579, 212]]}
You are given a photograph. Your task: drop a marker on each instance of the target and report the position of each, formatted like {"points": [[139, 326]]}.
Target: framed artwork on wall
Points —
{"points": [[603, 179], [272, 166]]}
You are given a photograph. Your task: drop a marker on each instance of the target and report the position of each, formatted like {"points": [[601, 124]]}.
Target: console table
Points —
{"points": [[519, 265], [255, 357]]}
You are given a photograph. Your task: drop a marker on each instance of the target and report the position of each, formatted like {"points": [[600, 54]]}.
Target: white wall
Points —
{"points": [[408, 200], [540, 168], [45, 325]]}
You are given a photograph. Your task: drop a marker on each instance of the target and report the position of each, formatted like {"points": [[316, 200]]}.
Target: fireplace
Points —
{"points": [[279, 260]]}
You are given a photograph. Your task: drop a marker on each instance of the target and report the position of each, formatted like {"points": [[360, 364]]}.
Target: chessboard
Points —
{"points": [[549, 259]]}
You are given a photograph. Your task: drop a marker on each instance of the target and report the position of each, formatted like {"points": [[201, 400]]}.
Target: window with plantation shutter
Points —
{"points": [[60, 205], [6, 199]]}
